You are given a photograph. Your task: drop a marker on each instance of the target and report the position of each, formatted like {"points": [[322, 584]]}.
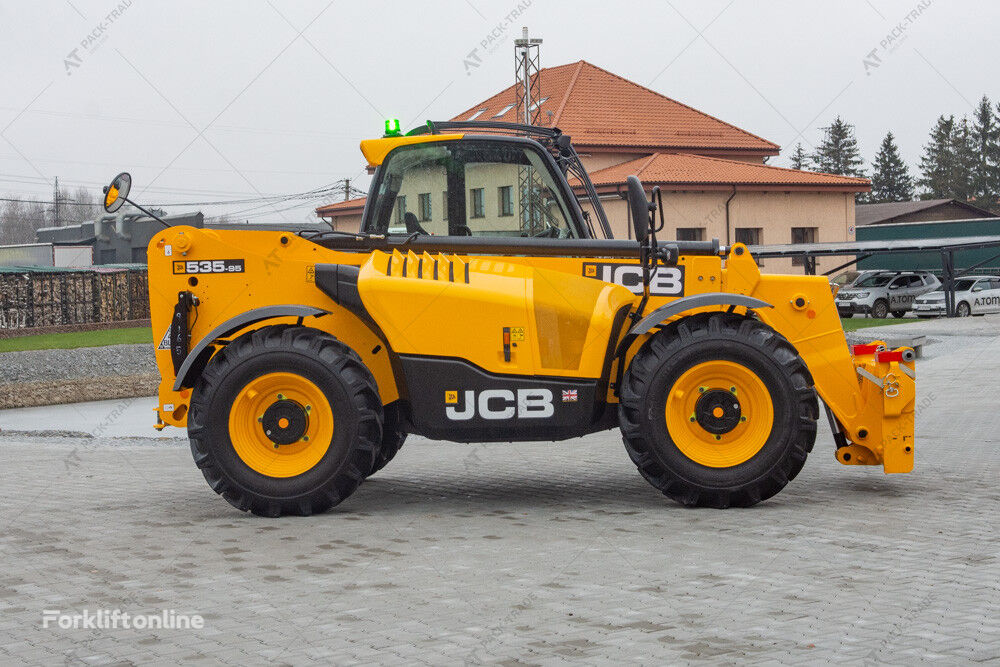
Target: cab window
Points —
{"points": [[488, 188]]}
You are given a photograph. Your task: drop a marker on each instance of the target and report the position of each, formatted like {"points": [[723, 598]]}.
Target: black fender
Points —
{"points": [[666, 311], [233, 325]]}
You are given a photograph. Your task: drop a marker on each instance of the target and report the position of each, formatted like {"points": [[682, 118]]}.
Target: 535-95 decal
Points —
{"points": [[209, 266]]}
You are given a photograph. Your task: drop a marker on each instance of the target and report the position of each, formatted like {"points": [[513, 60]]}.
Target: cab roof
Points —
{"points": [[375, 150]]}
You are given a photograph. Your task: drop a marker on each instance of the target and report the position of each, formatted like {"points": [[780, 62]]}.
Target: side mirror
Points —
{"points": [[116, 193], [638, 206]]}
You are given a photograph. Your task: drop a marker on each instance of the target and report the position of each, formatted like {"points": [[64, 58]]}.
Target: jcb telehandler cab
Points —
{"points": [[476, 304]]}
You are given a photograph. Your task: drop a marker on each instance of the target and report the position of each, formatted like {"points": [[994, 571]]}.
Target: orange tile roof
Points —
{"points": [[600, 109], [347, 207], [698, 171]]}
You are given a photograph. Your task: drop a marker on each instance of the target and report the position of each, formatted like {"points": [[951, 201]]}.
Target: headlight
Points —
{"points": [[862, 295]]}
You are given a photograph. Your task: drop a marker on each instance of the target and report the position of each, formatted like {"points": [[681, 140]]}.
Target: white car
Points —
{"points": [[974, 295], [884, 292]]}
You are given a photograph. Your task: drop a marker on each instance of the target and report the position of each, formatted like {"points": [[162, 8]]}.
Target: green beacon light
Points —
{"points": [[392, 127]]}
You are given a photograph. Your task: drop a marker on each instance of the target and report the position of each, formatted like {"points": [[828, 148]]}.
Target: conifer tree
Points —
{"points": [[891, 180], [800, 159], [838, 152]]}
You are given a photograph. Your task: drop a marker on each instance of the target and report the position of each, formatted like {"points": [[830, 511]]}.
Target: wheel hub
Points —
{"points": [[718, 411], [284, 422]]}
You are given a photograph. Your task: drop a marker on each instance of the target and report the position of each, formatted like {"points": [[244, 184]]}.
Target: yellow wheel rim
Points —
{"points": [[719, 413], [285, 399]]}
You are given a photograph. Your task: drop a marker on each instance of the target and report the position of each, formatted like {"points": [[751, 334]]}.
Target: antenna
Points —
{"points": [[527, 82], [527, 94]]}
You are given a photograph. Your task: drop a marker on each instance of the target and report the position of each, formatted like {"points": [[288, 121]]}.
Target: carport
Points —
{"points": [[945, 248]]}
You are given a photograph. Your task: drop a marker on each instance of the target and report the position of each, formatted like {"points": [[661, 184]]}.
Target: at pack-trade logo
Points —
{"points": [[987, 301], [209, 266], [664, 281]]}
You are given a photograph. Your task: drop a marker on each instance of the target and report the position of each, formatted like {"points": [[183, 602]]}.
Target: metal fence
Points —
{"points": [[33, 297]]}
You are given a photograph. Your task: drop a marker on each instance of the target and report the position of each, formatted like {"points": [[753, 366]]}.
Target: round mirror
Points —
{"points": [[115, 194], [639, 207]]}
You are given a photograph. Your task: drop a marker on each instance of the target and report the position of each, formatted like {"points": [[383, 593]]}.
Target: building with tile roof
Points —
{"points": [[712, 173]]}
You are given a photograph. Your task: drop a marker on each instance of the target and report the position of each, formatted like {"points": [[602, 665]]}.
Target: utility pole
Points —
{"points": [[347, 189], [55, 203]]}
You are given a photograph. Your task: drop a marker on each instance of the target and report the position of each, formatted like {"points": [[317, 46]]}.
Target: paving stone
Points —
{"points": [[528, 553]]}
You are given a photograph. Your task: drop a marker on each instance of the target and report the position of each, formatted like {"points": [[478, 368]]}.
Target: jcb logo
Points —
{"points": [[499, 404], [664, 281]]}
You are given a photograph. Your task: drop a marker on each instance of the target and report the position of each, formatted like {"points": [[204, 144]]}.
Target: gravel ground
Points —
{"points": [[80, 363]]}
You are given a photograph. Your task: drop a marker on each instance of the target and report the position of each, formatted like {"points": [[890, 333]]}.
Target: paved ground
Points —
{"points": [[542, 553]]}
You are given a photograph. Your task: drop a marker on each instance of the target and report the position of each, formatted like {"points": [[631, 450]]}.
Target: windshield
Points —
{"points": [[472, 188], [874, 281]]}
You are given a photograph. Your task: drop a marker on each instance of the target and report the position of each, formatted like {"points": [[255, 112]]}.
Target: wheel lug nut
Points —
{"points": [[702, 390], [281, 397], [305, 438], [732, 390], [718, 437], [743, 419]]}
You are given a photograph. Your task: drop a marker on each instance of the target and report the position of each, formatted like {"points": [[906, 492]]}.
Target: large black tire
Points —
{"points": [[899, 314], [880, 309], [393, 437], [718, 337], [344, 381]]}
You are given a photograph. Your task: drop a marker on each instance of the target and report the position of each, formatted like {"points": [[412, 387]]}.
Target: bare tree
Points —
{"points": [[19, 219]]}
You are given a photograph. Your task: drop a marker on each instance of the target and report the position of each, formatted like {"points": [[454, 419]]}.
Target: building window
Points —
{"points": [[424, 204], [690, 233], [476, 198], [749, 235], [504, 110], [400, 209], [505, 204], [803, 235]]}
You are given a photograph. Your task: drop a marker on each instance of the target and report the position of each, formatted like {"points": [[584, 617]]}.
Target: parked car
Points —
{"points": [[849, 277], [975, 295], [885, 292]]}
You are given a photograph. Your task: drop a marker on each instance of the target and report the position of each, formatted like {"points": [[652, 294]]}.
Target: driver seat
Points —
{"points": [[412, 224]]}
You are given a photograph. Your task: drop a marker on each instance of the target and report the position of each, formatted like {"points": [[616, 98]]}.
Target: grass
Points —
{"points": [[855, 323], [65, 341]]}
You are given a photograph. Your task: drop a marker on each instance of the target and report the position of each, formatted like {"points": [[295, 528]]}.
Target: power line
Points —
{"points": [[307, 197]]}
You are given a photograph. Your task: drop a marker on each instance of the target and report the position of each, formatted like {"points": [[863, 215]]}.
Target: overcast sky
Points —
{"points": [[209, 101]]}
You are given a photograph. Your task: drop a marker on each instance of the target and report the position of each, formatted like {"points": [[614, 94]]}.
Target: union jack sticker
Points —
{"points": [[569, 395]]}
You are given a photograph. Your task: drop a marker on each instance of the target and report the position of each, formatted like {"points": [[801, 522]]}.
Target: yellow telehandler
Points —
{"points": [[478, 303]]}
